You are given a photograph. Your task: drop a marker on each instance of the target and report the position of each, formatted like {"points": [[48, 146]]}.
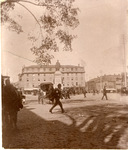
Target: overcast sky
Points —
{"points": [[99, 46]]}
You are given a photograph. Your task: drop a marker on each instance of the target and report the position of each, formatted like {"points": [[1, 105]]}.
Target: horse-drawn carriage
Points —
{"points": [[46, 88]]}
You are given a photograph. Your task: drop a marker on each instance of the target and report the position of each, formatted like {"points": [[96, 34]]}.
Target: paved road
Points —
{"points": [[88, 123], [111, 96]]}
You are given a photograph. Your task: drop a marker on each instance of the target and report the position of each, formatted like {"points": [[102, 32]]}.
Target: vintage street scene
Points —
{"points": [[64, 74]]}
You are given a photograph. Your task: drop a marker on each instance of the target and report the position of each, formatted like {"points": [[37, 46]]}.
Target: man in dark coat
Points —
{"points": [[84, 92], [12, 102], [104, 93], [57, 97]]}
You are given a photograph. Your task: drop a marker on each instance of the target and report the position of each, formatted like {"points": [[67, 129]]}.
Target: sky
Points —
{"points": [[99, 46]]}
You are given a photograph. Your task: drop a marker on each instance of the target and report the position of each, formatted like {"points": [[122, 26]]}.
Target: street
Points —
{"points": [[88, 123]]}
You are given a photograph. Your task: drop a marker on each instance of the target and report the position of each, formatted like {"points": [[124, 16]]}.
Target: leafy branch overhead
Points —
{"points": [[55, 25]]}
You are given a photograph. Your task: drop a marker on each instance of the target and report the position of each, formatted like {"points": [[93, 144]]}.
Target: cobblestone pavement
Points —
{"points": [[88, 123]]}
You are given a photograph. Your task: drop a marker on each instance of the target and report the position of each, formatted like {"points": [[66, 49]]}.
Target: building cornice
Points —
{"points": [[52, 72], [52, 66]]}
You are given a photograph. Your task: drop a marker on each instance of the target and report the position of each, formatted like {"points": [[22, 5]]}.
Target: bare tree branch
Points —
{"points": [[36, 4], [59, 14], [33, 16]]}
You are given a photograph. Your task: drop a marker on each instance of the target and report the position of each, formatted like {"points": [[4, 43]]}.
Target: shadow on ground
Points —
{"points": [[93, 127], [77, 100]]}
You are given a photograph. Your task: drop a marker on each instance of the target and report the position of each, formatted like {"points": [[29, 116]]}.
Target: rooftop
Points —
{"points": [[52, 66]]}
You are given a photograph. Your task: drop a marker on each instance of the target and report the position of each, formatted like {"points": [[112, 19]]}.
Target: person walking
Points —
{"points": [[57, 97], [104, 93], [68, 93], [41, 96], [84, 92]]}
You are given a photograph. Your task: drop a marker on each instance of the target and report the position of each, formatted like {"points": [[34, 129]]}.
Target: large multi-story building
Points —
{"points": [[112, 81], [33, 76]]}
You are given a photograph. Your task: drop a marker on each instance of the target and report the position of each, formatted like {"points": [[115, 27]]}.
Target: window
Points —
{"points": [[27, 84]]}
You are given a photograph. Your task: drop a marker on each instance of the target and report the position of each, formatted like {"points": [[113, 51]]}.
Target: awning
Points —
{"points": [[45, 83], [28, 89]]}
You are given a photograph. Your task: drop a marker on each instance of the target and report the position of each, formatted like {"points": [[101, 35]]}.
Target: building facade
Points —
{"points": [[112, 81], [33, 76]]}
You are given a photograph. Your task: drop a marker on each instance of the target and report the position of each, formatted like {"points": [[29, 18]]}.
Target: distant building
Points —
{"points": [[71, 76], [112, 81]]}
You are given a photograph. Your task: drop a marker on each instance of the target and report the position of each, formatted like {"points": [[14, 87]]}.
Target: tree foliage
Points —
{"points": [[54, 25]]}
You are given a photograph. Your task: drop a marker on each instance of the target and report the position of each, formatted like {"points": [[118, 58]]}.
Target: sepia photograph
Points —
{"points": [[64, 74]]}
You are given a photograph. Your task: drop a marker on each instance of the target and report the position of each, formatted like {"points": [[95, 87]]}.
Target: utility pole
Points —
{"points": [[101, 84], [125, 63]]}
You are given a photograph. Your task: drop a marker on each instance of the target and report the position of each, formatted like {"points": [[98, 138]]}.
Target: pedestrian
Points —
{"points": [[93, 92], [84, 92], [68, 93], [57, 97], [41, 96], [104, 93], [12, 103]]}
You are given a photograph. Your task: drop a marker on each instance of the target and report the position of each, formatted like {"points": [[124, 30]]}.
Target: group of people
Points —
{"points": [[104, 93], [11, 104], [66, 93], [55, 95]]}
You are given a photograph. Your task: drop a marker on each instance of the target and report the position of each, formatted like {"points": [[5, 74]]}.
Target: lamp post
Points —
{"points": [[125, 65], [101, 80]]}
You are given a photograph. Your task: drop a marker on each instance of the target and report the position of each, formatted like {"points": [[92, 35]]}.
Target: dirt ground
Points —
{"points": [[88, 123]]}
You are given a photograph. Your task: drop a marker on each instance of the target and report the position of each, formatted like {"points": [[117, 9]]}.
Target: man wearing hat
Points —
{"points": [[57, 97]]}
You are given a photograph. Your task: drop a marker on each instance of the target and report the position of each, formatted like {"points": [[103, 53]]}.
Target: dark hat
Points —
{"points": [[59, 84]]}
